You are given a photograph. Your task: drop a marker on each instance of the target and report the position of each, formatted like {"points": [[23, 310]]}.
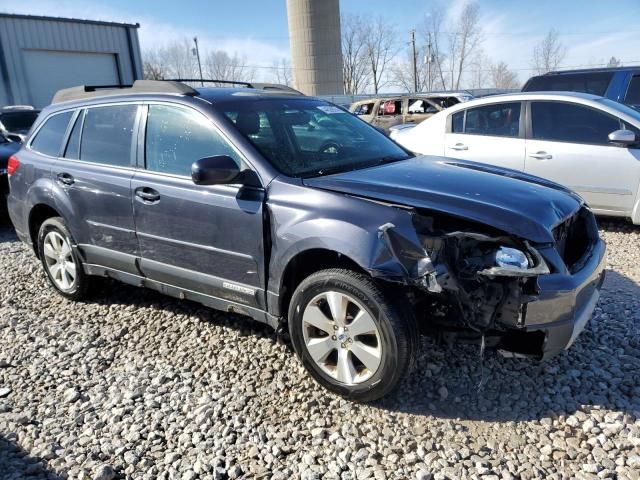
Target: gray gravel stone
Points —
{"points": [[154, 388]]}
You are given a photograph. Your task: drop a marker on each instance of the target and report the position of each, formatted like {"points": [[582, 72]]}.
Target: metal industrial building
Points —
{"points": [[40, 55], [316, 54]]}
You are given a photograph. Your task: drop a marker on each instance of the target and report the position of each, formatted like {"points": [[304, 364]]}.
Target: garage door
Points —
{"points": [[49, 71]]}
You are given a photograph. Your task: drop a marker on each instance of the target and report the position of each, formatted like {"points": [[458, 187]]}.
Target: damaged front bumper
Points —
{"points": [[565, 303]]}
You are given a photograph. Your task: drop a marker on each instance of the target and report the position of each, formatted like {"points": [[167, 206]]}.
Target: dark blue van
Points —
{"points": [[621, 84]]}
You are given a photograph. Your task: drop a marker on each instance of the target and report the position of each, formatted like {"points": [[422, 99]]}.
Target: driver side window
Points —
{"points": [[176, 137], [566, 122]]}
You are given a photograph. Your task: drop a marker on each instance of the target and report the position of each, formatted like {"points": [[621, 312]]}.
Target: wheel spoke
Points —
{"points": [[362, 324], [320, 348], [369, 356], [49, 251], [345, 371], [64, 279], [65, 249], [338, 306], [314, 316], [70, 269]]}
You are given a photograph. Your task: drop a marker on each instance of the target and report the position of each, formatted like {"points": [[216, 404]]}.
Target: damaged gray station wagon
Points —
{"points": [[293, 212]]}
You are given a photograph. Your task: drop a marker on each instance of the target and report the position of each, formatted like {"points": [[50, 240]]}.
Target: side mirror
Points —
{"points": [[14, 137], [623, 138], [432, 109], [217, 170]]}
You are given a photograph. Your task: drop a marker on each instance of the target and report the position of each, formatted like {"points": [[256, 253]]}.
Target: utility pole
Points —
{"points": [[196, 51], [429, 61], [415, 61]]}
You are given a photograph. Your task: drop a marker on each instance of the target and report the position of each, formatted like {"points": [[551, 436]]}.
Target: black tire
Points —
{"points": [[396, 332], [79, 288]]}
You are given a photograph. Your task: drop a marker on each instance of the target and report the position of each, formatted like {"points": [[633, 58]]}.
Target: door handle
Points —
{"points": [[541, 155], [147, 195], [459, 146], [65, 178]]}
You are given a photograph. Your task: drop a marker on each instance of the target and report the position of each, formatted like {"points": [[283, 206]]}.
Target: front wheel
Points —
{"points": [[350, 338]]}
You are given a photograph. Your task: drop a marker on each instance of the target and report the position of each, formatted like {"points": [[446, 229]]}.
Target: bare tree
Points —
{"points": [[178, 59], [380, 50], [467, 38], [219, 65], [548, 54], [402, 72], [282, 72], [614, 62], [479, 67], [431, 33], [503, 78], [355, 71], [153, 67]]}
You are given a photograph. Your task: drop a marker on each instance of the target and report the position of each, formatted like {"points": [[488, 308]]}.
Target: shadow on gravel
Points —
{"points": [[16, 463], [601, 369], [617, 225]]}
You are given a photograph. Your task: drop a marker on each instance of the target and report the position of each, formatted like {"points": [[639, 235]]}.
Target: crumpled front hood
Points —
{"points": [[511, 201]]}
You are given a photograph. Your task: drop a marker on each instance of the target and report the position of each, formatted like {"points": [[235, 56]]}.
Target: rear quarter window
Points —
{"points": [[48, 139]]}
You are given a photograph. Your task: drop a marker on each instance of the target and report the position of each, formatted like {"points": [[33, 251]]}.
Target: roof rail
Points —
{"points": [[139, 86], [273, 87], [198, 80]]}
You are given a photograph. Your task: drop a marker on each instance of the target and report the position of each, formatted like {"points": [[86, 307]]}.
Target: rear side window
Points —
{"points": [[593, 82], [457, 122], [176, 137], [500, 119], [633, 92], [49, 138], [566, 122], [107, 135]]}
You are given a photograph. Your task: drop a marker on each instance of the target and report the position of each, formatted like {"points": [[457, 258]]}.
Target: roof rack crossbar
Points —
{"points": [[139, 86]]}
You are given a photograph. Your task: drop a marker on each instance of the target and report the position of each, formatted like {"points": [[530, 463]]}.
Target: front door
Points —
{"points": [[569, 144], [488, 134], [95, 172], [203, 239]]}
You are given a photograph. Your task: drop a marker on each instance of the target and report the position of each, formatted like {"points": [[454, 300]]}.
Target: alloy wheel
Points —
{"points": [[59, 260], [342, 337]]}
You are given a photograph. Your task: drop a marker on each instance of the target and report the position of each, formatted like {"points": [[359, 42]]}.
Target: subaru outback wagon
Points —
{"points": [[293, 212]]}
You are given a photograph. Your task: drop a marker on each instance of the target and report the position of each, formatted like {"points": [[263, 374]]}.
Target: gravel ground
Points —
{"points": [[136, 385]]}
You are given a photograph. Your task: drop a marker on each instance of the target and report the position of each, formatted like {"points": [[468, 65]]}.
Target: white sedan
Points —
{"points": [[588, 143]]}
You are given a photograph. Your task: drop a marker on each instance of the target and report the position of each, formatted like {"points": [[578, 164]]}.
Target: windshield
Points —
{"points": [[632, 112], [308, 137], [18, 121]]}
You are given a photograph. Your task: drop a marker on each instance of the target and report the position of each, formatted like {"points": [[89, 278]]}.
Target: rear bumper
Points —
{"points": [[566, 303]]}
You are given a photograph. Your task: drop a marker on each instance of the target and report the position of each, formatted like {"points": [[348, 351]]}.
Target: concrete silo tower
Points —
{"points": [[316, 53]]}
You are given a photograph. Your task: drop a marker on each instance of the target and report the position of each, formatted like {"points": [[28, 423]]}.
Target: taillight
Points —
{"points": [[12, 165]]}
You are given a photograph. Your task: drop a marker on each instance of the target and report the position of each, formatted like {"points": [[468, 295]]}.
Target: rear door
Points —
{"points": [[95, 174], [492, 134], [203, 239], [389, 114], [568, 143]]}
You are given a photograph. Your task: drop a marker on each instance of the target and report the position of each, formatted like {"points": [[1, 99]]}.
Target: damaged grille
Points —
{"points": [[574, 238]]}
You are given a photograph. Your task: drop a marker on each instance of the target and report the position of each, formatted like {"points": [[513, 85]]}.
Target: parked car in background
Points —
{"points": [[17, 120], [621, 84], [224, 197], [448, 99], [588, 143], [7, 148], [389, 111]]}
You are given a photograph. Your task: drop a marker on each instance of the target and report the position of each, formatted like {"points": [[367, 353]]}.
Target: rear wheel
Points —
{"points": [[350, 338], [60, 261]]}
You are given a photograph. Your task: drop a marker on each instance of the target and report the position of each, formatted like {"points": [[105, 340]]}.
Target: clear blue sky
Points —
{"points": [[592, 30]]}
